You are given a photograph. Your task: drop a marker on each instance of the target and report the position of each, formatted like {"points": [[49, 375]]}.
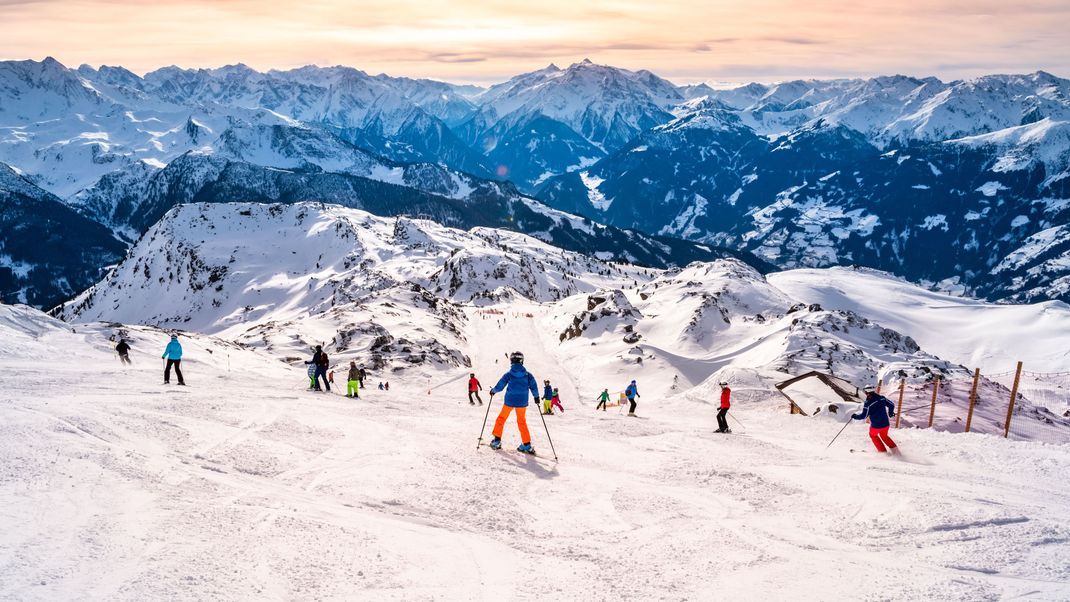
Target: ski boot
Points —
{"points": [[526, 448], [496, 443]]}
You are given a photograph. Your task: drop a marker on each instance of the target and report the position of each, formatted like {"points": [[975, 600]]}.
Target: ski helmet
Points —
{"points": [[516, 357], [723, 383], [869, 388]]}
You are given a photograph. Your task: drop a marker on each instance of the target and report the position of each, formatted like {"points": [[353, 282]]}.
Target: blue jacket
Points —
{"points": [[547, 392], [173, 351], [631, 391], [516, 383], [878, 409]]}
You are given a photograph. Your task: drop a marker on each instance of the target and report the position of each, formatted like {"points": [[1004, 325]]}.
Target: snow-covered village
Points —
{"points": [[481, 301]]}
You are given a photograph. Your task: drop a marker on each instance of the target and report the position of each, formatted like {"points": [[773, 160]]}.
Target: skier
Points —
{"points": [[516, 383], [361, 375], [380, 386], [320, 361], [473, 389], [353, 382], [173, 354], [726, 397], [123, 349], [603, 399], [386, 387], [879, 409], [556, 401], [631, 393], [547, 397], [311, 376]]}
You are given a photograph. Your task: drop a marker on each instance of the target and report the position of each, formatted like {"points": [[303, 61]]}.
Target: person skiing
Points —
{"points": [[556, 401], [547, 397], [123, 349], [311, 376], [386, 387], [361, 375], [353, 382], [173, 354], [631, 393], [879, 409], [320, 362], [722, 413], [380, 386], [603, 399], [473, 389], [516, 383]]}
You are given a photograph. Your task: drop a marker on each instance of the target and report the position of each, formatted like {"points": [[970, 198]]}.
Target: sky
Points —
{"points": [[490, 40]]}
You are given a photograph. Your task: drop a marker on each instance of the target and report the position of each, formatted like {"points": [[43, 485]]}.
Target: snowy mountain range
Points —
{"points": [[887, 172]]}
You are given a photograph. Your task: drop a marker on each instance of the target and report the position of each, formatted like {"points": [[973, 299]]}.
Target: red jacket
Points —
{"points": [[726, 394], [473, 385]]}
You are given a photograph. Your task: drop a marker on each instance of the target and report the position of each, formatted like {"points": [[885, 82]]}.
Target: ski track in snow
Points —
{"points": [[244, 485]]}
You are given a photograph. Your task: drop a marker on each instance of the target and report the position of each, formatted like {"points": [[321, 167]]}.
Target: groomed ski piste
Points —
{"points": [[245, 485]]}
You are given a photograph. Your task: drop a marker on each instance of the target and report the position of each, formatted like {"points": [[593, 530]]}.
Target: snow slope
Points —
{"points": [[967, 331], [243, 485]]}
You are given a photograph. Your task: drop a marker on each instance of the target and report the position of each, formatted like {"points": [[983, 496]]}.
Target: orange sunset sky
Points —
{"points": [[486, 41]]}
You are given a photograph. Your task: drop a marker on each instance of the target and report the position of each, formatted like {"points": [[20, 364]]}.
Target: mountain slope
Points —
{"points": [[48, 252]]}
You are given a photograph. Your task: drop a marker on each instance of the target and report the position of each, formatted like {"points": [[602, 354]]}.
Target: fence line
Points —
{"points": [[1016, 404]]}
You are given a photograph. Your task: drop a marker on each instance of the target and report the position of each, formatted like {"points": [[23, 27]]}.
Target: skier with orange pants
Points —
{"points": [[879, 409], [516, 383]]}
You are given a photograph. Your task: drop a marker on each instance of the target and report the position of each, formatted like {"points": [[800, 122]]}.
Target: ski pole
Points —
{"points": [[548, 435], [737, 420], [489, 402], [838, 434]]}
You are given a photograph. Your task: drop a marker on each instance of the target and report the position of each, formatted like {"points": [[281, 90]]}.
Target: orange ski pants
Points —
{"points": [[521, 422]]}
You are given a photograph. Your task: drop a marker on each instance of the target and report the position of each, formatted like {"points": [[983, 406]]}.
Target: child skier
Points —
{"points": [[603, 399], [556, 402], [547, 397], [879, 409], [311, 376], [726, 402], [631, 393], [353, 382], [516, 383], [473, 389]]}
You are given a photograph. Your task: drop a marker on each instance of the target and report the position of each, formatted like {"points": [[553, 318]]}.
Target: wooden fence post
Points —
{"points": [[1010, 406], [932, 408], [899, 410], [973, 398]]}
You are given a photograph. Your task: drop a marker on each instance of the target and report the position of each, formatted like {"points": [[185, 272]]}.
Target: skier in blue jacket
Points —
{"points": [[879, 409], [631, 393], [547, 396], [173, 354], [516, 383]]}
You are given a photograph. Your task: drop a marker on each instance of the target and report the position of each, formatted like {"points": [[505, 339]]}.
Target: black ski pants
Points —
{"points": [[476, 393], [178, 371], [124, 358], [631, 407], [321, 372], [722, 420], [601, 404]]}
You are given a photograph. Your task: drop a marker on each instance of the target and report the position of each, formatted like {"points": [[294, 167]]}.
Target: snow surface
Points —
{"points": [[244, 485], [974, 333]]}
